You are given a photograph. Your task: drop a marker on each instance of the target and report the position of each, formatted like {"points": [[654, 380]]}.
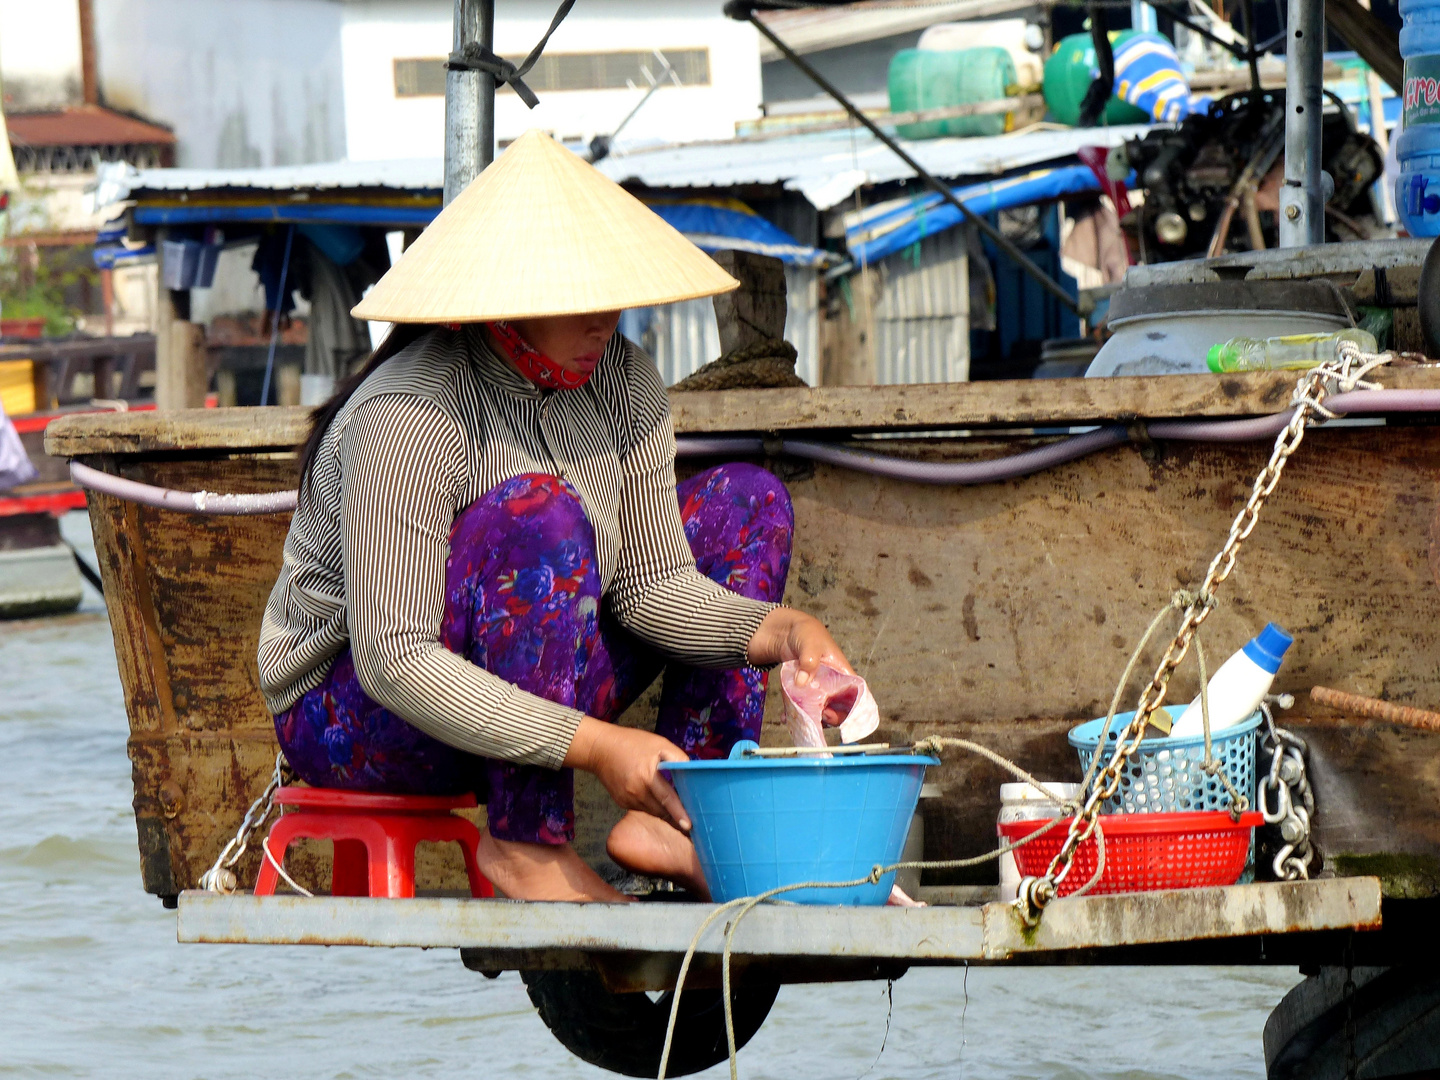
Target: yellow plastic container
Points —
{"points": [[17, 387]]}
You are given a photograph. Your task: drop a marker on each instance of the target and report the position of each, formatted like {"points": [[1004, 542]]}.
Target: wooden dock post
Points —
{"points": [[181, 375], [755, 312]]}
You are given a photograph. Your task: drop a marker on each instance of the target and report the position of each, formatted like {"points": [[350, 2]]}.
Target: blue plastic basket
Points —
{"points": [[760, 823], [1166, 774]]}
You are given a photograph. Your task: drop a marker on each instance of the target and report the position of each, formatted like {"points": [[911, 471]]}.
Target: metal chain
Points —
{"points": [[220, 878], [1294, 801], [1344, 373]]}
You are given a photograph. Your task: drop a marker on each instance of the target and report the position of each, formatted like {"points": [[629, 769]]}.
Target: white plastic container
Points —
{"points": [[1025, 802], [1239, 686]]}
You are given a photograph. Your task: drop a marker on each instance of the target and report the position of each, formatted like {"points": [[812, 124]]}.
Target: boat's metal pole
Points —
{"points": [[1302, 198], [469, 101], [486, 152]]}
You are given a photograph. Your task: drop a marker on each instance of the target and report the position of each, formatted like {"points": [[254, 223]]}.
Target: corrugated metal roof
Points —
{"points": [[119, 181], [828, 167], [812, 29], [84, 125], [825, 167]]}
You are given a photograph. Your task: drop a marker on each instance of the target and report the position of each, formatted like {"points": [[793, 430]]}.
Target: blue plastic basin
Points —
{"points": [[760, 823]]}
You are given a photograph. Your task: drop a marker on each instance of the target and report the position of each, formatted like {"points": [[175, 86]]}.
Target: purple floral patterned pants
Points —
{"points": [[522, 601]]}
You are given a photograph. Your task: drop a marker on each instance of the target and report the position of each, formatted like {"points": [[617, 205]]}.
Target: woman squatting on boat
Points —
{"points": [[491, 557]]}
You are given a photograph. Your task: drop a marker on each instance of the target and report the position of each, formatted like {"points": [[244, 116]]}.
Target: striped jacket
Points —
{"points": [[430, 432]]}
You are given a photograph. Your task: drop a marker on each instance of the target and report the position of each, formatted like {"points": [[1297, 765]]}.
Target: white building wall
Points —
{"points": [[40, 53], [379, 124], [242, 82]]}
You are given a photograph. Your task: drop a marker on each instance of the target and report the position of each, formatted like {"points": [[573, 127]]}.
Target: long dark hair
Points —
{"points": [[401, 335]]}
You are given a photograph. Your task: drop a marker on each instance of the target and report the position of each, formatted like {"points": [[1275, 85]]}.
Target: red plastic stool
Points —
{"points": [[375, 838]]}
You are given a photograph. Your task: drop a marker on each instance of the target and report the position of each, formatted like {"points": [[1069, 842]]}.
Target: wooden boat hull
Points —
{"points": [[1002, 613]]}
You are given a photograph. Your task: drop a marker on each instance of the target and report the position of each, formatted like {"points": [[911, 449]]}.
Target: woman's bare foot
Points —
{"points": [[644, 844], [541, 872]]}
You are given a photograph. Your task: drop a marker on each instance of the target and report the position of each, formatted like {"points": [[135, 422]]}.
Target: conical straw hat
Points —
{"points": [[541, 232]]}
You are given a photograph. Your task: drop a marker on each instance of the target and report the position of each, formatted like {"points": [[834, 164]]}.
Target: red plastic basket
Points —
{"points": [[1144, 852]]}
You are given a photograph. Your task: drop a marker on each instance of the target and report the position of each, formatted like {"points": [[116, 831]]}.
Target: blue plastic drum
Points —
{"points": [[1417, 148], [760, 823]]}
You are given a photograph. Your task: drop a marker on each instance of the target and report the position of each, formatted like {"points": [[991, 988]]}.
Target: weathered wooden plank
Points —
{"points": [[1001, 613], [838, 408], [976, 611], [180, 370], [202, 744], [240, 429], [144, 676], [755, 312], [1377, 42]]}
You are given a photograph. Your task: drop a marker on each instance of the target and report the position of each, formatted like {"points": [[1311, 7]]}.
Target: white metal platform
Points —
{"points": [[508, 934]]}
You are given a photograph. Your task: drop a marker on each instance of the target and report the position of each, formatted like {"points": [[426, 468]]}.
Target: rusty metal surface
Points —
{"points": [[518, 935], [780, 930], [1194, 914], [1001, 614]]}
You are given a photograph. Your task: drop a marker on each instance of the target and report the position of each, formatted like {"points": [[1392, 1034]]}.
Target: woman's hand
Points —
{"points": [[627, 762], [787, 634]]}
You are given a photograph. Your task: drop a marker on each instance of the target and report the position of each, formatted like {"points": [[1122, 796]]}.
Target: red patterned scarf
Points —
{"points": [[533, 364]]}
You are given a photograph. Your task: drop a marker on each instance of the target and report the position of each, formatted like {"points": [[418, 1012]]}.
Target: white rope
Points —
{"points": [[220, 878], [265, 847]]}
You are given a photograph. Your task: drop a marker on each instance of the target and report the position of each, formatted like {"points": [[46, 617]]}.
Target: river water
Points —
{"points": [[93, 984]]}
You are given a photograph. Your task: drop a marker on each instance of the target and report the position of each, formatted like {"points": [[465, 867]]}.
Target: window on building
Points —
{"points": [[425, 77]]}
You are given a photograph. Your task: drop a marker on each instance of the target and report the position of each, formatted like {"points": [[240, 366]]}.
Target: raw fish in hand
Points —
{"points": [[846, 697]]}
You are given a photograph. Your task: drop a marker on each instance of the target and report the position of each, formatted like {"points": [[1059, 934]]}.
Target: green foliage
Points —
{"points": [[46, 285]]}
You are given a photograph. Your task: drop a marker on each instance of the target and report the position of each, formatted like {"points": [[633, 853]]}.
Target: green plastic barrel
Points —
{"points": [[1068, 75], [924, 79]]}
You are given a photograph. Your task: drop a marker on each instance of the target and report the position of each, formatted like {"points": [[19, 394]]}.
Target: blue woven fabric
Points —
{"points": [[1148, 75], [721, 224]]}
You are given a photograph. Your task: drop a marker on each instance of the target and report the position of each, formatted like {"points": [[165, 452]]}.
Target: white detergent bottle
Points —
{"points": [[1237, 689]]}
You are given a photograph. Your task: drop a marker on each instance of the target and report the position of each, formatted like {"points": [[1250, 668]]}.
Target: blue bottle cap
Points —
{"points": [[1267, 648]]}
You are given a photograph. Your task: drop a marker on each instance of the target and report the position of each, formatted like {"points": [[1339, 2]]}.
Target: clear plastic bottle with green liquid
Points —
{"points": [[1293, 352]]}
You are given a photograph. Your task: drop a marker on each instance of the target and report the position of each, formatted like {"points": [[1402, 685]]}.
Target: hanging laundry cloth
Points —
{"points": [[16, 467], [335, 340]]}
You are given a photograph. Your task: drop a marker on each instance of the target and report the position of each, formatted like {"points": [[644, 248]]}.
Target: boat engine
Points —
{"points": [[1212, 183]]}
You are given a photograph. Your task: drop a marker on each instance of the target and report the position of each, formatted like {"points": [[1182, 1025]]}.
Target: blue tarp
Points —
{"points": [[728, 224], [110, 249], [710, 224], [891, 226], [392, 217]]}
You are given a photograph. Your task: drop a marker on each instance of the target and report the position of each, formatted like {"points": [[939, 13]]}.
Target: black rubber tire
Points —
{"points": [[625, 1033], [1429, 299], [1396, 1017]]}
